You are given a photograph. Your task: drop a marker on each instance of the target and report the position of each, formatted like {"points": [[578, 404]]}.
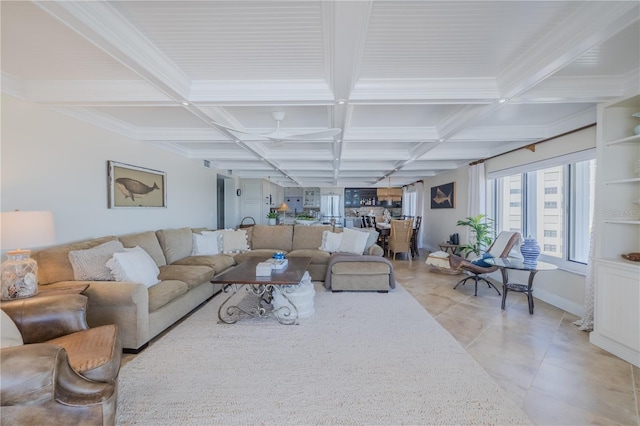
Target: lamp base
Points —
{"points": [[19, 275]]}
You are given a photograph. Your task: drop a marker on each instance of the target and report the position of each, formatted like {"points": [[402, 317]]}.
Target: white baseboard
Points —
{"points": [[619, 350], [559, 302]]}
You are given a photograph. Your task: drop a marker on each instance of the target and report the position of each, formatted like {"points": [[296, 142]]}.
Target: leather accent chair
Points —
{"points": [[65, 372], [501, 247]]}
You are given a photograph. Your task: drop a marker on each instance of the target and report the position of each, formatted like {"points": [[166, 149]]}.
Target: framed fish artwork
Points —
{"points": [[132, 186], [443, 196]]}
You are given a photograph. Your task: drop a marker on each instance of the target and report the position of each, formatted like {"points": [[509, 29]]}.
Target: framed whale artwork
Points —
{"points": [[132, 186], [443, 196]]}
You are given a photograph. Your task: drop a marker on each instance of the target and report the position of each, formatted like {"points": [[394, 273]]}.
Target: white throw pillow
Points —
{"points": [[372, 239], [90, 264], [134, 265], [353, 242], [207, 243], [10, 335], [330, 241], [234, 241]]}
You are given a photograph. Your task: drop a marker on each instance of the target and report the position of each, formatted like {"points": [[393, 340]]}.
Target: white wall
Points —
{"points": [[50, 161], [438, 224]]}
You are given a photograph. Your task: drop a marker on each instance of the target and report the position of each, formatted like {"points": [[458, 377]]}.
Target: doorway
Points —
{"points": [[220, 201]]}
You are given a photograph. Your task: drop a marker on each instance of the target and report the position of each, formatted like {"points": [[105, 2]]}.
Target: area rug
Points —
{"points": [[361, 358]]}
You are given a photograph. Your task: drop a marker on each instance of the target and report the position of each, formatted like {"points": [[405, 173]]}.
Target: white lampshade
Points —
{"points": [[26, 229]]}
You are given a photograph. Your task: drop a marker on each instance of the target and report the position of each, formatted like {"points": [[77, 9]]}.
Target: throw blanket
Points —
{"points": [[336, 258]]}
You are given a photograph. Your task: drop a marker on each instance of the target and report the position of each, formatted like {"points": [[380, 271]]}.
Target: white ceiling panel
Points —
{"points": [[402, 88], [36, 46]]}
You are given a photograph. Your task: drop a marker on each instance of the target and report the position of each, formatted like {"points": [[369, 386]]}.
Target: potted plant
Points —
{"points": [[481, 228], [272, 216]]}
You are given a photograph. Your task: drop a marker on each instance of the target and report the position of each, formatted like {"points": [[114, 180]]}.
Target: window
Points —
{"points": [[554, 205]]}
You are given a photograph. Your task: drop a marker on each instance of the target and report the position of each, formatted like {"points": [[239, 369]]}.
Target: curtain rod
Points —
{"points": [[532, 146], [413, 183]]}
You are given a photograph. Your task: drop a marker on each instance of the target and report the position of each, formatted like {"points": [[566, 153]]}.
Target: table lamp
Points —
{"points": [[19, 273], [283, 208]]}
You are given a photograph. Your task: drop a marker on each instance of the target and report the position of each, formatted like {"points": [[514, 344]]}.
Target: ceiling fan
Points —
{"points": [[278, 136]]}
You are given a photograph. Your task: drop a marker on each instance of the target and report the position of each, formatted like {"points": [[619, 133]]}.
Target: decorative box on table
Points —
{"points": [[263, 269]]}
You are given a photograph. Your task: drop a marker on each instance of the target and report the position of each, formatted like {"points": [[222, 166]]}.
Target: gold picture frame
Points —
{"points": [[135, 187]]}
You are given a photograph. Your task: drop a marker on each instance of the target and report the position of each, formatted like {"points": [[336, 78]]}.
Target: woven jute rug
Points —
{"points": [[361, 358]]}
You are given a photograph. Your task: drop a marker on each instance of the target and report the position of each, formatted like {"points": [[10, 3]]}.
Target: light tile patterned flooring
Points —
{"points": [[543, 361]]}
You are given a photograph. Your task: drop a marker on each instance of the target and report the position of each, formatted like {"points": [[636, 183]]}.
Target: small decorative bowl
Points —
{"points": [[634, 257]]}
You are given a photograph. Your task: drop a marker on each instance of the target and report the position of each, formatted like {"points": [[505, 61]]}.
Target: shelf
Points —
{"points": [[625, 141], [619, 261], [623, 222], [623, 181]]}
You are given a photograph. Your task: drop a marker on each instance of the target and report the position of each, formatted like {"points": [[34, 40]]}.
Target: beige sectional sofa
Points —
{"points": [[142, 312], [294, 241]]}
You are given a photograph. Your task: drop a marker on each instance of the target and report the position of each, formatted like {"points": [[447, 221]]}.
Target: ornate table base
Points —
{"points": [[286, 314]]}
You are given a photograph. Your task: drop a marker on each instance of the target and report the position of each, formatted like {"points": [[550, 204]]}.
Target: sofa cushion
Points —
{"points": [[91, 264], [176, 243], [134, 265], [193, 275], [54, 264], [149, 242], [308, 237], [278, 238], [318, 257], [219, 262], [164, 292], [360, 268]]}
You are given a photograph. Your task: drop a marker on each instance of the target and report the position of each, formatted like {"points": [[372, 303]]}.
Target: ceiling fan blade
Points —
{"points": [[277, 136], [312, 135]]}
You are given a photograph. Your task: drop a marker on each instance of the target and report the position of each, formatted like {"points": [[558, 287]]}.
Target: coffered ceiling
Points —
{"points": [[415, 87]]}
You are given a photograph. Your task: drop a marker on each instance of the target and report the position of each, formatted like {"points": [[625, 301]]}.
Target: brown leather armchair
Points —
{"points": [[65, 372]]}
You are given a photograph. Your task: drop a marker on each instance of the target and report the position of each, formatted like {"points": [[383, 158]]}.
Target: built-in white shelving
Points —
{"points": [[617, 231]]}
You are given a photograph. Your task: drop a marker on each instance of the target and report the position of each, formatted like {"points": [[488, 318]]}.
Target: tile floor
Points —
{"points": [[543, 361]]}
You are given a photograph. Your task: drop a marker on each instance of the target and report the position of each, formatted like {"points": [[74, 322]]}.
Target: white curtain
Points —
{"points": [[405, 206], [477, 190], [586, 322], [420, 209]]}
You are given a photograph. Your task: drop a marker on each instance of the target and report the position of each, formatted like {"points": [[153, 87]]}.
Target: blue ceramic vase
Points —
{"points": [[530, 251]]}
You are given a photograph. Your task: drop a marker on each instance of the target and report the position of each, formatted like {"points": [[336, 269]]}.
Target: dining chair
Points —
{"points": [[400, 237], [501, 247], [368, 221], [414, 236]]}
